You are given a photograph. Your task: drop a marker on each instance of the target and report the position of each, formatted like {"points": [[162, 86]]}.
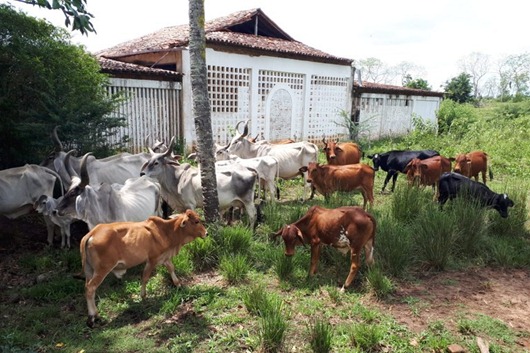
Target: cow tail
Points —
{"points": [[372, 218], [491, 173], [84, 259]]}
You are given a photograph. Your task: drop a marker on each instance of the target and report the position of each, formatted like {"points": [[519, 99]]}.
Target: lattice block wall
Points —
{"points": [[229, 94], [269, 80], [328, 98]]}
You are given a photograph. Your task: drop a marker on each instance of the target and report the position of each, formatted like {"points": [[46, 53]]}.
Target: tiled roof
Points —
{"points": [[371, 87], [236, 30], [117, 67]]}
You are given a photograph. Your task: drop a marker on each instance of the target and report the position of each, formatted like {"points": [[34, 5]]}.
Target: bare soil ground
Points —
{"points": [[503, 294]]}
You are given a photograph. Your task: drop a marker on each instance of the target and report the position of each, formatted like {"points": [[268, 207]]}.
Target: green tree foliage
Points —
{"points": [[455, 118], [459, 88], [74, 11], [46, 81], [417, 83]]}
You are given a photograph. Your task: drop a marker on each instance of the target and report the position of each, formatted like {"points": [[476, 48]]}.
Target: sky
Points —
{"points": [[432, 35]]}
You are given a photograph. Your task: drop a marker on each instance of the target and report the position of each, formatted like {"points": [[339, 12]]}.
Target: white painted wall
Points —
{"points": [[268, 75]]}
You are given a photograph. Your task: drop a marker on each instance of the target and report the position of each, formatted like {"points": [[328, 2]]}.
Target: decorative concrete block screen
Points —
{"points": [[280, 105], [229, 94], [151, 108], [328, 99]]}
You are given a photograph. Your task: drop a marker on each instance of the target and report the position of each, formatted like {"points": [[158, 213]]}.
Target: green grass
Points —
{"points": [[239, 292]]}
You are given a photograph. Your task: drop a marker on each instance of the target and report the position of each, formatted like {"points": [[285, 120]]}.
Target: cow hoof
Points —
{"points": [[342, 290], [92, 321]]}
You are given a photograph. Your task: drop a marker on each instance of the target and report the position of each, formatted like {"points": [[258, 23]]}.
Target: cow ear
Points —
{"points": [[184, 220], [299, 235], [303, 169]]}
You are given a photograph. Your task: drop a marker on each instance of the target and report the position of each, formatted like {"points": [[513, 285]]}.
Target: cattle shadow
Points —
{"points": [[175, 308]]}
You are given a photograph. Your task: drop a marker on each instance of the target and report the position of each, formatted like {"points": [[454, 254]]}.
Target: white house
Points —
{"points": [[255, 71]]}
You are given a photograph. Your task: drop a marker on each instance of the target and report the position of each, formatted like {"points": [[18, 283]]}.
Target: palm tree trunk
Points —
{"points": [[201, 110]]}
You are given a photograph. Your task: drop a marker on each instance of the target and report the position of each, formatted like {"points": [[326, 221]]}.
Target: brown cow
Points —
{"points": [[327, 179], [342, 153], [471, 164], [116, 247], [427, 171], [346, 228]]}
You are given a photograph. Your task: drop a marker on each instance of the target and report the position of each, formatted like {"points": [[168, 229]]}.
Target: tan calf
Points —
{"points": [[427, 171], [327, 179], [342, 153], [346, 228], [116, 247], [471, 164]]}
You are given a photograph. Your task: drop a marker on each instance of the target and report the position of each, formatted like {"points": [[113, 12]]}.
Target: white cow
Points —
{"points": [[114, 169], [136, 200], [182, 188], [45, 205], [20, 187], [267, 168], [291, 157]]}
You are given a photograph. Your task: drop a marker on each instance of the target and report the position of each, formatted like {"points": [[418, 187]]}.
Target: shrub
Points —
{"points": [[378, 283], [367, 338]]}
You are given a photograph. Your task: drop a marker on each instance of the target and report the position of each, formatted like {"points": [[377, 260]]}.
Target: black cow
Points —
{"points": [[453, 184], [393, 162]]}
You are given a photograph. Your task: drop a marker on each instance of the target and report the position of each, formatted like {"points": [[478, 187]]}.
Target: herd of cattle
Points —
{"points": [[121, 197]]}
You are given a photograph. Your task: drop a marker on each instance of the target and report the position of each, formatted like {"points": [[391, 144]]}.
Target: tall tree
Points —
{"points": [[47, 81], [374, 70], [405, 70], [514, 73], [459, 88], [75, 13], [201, 110], [477, 66], [417, 83]]}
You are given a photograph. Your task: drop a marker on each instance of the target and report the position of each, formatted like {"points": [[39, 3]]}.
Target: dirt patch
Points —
{"points": [[503, 294]]}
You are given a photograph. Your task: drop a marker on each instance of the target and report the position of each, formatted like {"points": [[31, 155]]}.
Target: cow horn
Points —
{"points": [[324, 140], [170, 147], [55, 138], [245, 130], [67, 164], [84, 172], [237, 126]]}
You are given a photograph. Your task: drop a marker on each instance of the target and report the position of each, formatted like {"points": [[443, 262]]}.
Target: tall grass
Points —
{"points": [[393, 246], [434, 234], [320, 335]]}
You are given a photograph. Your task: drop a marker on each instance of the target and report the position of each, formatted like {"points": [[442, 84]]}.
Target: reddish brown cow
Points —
{"points": [[342, 153], [427, 171], [471, 164], [116, 247], [327, 179], [345, 228]]}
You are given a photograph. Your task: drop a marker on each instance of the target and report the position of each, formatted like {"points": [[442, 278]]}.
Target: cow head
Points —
{"points": [[190, 222], [462, 164], [311, 169], [158, 161], [376, 159], [502, 203], [221, 153], [67, 206], [332, 150], [240, 145], [413, 170], [292, 236]]}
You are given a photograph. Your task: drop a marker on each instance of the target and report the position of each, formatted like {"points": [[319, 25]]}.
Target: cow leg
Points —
{"points": [[171, 269], [50, 227], [387, 178], [149, 267], [315, 255], [484, 176], [251, 212], [355, 262], [369, 252], [91, 284], [394, 178]]}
